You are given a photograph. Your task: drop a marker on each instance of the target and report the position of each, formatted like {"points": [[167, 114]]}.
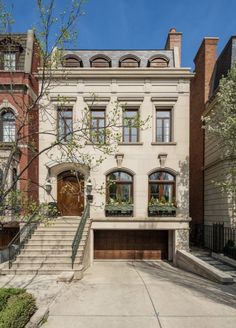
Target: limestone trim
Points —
{"points": [[57, 167], [7, 105], [167, 169], [183, 73], [164, 143], [59, 97], [122, 168], [140, 225]]}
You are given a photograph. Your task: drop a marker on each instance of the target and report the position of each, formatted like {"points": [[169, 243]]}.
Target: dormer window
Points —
{"points": [[129, 61], [100, 61], [72, 61], [9, 61], [10, 52], [158, 61]]}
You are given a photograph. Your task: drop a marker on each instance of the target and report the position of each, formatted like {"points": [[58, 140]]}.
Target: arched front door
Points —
{"points": [[70, 193]]}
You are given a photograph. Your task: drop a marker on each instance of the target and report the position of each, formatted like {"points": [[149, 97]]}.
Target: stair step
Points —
{"points": [[49, 248], [37, 266], [29, 271], [54, 233], [56, 229], [51, 238], [46, 259], [56, 243]]}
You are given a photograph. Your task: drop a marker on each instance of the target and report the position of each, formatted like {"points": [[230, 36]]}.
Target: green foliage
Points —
{"points": [[6, 293], [18, 311]]}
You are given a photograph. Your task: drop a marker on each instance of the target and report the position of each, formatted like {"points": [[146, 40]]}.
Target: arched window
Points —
{"points": [[162, 187], [120, 187], [100, 61], [158, 61], [8, 126], [72, 61], [129, 61]]}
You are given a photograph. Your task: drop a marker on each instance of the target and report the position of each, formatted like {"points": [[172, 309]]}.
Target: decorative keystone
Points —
{"points": [[119, 159]]}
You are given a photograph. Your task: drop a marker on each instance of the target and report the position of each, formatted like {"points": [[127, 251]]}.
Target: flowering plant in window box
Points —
{"points": [[118, 208], [161, 207]]}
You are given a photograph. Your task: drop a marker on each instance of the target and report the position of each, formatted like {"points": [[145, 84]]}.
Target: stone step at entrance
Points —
{"points": [[50, 248]]}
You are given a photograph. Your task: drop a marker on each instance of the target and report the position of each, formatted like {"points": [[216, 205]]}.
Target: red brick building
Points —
{"points": [[204, 60], [19, 60]]}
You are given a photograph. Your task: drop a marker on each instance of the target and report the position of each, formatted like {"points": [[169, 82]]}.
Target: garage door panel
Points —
{"points": [[130, 244]]}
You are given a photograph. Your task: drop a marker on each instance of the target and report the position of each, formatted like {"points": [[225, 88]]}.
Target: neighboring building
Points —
{"points": [[19, 61], [207, 203], [150, 165]]}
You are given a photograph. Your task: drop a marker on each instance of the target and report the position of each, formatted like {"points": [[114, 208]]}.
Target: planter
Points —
{"points": [[119, 210], [157, 210]]}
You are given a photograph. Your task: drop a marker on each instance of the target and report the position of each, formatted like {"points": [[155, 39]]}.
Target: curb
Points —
{"points": [[38, 318]]}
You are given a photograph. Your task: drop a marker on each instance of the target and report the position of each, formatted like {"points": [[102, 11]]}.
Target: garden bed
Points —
{"points": [[119, 210], [16, 307]]}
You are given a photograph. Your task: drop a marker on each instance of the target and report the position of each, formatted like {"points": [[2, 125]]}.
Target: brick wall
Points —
{"points": [[199, 94]]}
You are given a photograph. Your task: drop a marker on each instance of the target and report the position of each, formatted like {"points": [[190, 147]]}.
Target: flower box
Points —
{"points": [[119, 210], [161, 210]]}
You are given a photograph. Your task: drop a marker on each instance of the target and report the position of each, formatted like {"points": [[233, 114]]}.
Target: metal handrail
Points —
{"points": [[79, 233], [21, 238]]}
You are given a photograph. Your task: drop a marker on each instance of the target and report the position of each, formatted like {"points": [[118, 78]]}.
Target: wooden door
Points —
{"points": [[70, 194], [131, 244]]}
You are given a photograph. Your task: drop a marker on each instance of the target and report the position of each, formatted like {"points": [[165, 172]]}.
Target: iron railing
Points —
{"points": [[215, 237], [20, 239], [79, 233]]}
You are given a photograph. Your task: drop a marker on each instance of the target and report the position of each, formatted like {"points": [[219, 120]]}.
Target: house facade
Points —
{"points": [[140, 207], [19, 61], [209, 205]]}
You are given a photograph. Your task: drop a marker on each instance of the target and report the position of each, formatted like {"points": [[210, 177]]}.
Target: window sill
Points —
{"points": [[6, 145], [130, 143], [163, 143], [88, 143]]}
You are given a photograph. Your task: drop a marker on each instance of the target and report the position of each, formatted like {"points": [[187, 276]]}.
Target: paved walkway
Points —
{"points": [[143, 295]]}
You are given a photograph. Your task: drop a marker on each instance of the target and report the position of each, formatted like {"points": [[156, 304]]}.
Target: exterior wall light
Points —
{"points": [[48, 186], [89, 188]]}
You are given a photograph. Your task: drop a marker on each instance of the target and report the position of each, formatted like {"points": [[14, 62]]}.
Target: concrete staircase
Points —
{"points": [[49, 249], [206, 257]]}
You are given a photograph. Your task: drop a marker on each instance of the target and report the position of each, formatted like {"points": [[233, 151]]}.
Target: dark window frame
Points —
{"points": [[66, 133], [170, 119], [2, 121], [130, 109], [8, 45], [161, 183], [119, 182], [98, 128]]}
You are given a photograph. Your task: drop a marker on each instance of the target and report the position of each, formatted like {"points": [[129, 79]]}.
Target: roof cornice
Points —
{"points": [[73, 73]]}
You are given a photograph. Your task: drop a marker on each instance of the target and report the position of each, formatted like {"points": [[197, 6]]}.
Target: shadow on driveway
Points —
{"points": [[223, 294]]}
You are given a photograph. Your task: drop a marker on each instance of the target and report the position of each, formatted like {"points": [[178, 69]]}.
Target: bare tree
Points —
{"points": [[53, 32]]}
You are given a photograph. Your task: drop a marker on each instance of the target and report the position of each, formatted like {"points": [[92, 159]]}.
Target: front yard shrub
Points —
{"points": [[18, 310], [6, 293]]}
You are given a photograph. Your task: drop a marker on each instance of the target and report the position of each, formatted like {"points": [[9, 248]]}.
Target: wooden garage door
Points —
{"points": [[131, 244]]}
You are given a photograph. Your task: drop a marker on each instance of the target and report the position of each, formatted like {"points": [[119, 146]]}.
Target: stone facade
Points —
{"points": [[146, 88]]}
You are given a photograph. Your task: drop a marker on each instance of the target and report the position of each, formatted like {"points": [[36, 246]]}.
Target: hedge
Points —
{"points": [[6, 293], [18, 311]]}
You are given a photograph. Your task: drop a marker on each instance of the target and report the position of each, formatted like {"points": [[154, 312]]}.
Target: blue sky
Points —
{"points": [[143, 24]]}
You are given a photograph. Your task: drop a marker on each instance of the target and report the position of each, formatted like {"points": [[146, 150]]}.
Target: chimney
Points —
{"points": [[204, 61], [173, 42]]}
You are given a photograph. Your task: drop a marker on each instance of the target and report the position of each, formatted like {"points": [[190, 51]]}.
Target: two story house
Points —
{"points": [[140, 207]]}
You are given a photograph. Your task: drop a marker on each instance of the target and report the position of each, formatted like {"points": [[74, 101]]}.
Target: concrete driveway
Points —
{"points": [[143, 295]]}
